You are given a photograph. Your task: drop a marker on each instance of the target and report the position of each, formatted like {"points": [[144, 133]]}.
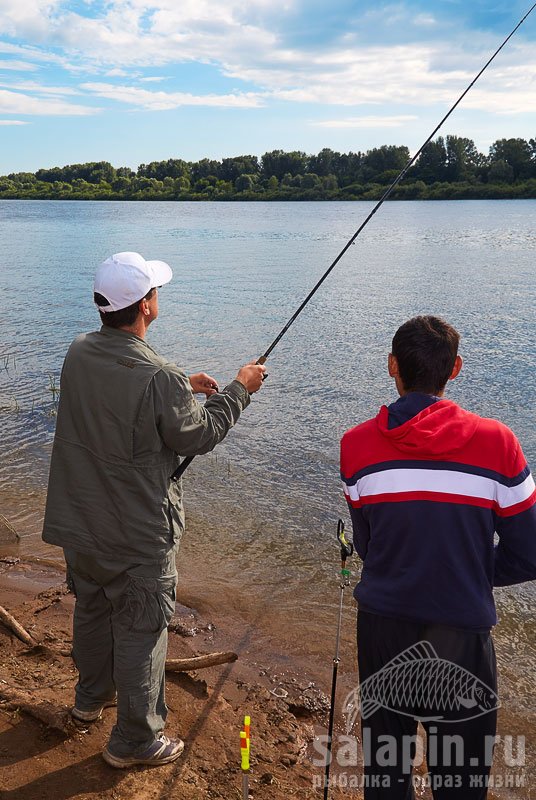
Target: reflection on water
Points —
{"points": [[269, 500]]}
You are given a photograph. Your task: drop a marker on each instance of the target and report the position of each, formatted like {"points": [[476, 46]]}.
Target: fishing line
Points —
{"points": [[179, 471], [387, 192], [347, 550]]}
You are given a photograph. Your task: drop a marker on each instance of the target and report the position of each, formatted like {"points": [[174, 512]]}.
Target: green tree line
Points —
{"points": [[449, 167]]}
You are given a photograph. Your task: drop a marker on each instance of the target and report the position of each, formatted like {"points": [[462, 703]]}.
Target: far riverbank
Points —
{"points": [[154, 190]]}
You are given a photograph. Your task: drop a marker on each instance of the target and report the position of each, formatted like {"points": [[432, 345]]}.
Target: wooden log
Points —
{"points": [[11, 623], [199, 662], [57, 718]]}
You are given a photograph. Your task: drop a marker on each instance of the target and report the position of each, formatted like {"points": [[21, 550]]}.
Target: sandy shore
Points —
{"points": [[282, 678], [38, 762]]}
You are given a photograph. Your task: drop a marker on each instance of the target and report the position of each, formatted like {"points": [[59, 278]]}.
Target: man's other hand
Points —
{"points": [[251, 376], [202, 383]]}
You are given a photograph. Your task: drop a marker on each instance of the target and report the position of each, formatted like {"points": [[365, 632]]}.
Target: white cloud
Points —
{"points": [[425, 20], [138, 33], [411, 75], [352, 77], [16, 103], [133, 34], [38, 55], [365, 122], [117, 73], [17, 66], [12, 122], [38, 88], [27, 19], [164, 101], [511, 89]]}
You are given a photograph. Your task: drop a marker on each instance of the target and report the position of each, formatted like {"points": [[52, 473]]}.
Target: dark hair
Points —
{"points": [[122, 318], [425, 349]]}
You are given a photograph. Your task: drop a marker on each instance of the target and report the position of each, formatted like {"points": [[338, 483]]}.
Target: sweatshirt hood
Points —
{"points": [[441, 428]]}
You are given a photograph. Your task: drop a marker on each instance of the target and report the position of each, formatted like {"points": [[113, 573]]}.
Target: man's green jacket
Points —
{"points": [[125, 416]]}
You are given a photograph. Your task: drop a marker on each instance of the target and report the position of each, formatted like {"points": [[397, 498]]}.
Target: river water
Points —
{"points": [[267, 501]]}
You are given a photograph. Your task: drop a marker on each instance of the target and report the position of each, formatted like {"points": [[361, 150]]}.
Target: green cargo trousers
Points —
{"points": [[120, 641]]}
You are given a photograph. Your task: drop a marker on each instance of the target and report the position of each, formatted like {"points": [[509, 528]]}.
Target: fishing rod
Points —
{"points": [[387, 192], [262, 360], [347, 550]]}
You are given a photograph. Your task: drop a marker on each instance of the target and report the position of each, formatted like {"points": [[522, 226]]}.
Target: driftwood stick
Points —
{"points": [[172, 664], [7, 530], [55, 717], [11, 623], [15, 626], [199, 662]]}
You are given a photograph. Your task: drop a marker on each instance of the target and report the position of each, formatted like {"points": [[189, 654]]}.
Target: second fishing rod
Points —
{"points": [[262, 360]]}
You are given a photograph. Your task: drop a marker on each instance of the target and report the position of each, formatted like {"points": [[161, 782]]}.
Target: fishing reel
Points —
{"points": [[347, 547], [347, 550]]}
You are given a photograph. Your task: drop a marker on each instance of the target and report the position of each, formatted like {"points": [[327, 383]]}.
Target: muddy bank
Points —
{"points": [[38, 762], [280, 620], [48, 761]]}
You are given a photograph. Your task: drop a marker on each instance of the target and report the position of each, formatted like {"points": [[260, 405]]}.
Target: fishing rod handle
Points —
{"points": [[183, 466], [262, 361], [177, 475]]}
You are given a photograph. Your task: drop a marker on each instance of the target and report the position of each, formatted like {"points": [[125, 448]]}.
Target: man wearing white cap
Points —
{"points": [[125, 417]]}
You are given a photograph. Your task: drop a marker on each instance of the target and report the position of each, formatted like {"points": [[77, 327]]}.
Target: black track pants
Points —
{"points": [[459, 685]]}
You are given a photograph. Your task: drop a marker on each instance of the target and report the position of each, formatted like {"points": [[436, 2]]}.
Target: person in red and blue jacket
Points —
{"points": [[443, 507]]}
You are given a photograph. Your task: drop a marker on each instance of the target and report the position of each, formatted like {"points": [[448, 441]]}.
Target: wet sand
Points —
{"points": [[278, 678], [281, 626], [206, 709]]}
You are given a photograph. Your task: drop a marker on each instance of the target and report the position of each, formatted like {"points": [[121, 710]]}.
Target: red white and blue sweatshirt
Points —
{"points": [[428, 485]]}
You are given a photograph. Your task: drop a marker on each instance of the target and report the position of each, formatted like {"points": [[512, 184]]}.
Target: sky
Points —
{"points": [[131, 81]]}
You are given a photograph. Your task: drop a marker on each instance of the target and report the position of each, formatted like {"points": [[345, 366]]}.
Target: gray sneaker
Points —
{"points": [[162, 751], [94, 714]]}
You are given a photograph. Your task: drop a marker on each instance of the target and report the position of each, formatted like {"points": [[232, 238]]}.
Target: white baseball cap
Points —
{"points": [[125, 278]]}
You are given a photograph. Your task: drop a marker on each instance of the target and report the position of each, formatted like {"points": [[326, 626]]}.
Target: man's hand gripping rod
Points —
{"points": [[184, 464]]}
